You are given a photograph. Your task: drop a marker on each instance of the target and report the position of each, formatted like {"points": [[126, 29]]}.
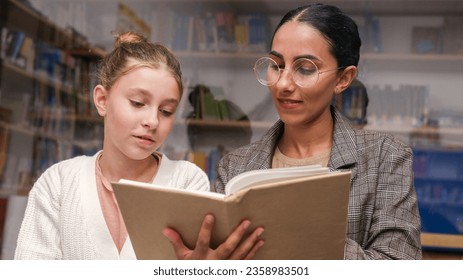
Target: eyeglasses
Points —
{"points": [[304, 71]]}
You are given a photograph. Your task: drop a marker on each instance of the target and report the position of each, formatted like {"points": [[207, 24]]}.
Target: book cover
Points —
{"points": [[5, 41], [180, 37], [210, 106], [427, 40], [373, 34], [304, 216], [27, 54], [15, 40]]}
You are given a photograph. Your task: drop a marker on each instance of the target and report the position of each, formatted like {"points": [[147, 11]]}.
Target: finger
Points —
{"points": [[204, 237], [249, 247], [230, 244], [181, 251], [254, 250]]}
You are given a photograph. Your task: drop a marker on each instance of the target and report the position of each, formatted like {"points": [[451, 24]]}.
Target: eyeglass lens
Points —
{"points": [[304, 72]]}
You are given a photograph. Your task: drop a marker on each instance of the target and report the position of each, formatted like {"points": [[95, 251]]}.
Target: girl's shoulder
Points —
{"points": [[82, 161], [182, 173]]}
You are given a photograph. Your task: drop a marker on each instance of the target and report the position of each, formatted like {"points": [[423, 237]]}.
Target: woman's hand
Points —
{"points": [[234, 248]]}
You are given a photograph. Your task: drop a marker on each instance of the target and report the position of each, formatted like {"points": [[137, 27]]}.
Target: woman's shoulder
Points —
{"points": [[372, 139], [364, 138]]}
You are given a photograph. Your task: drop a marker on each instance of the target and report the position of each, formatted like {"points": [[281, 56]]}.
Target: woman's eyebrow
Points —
{"points": [[277, 54], [308, 56]]}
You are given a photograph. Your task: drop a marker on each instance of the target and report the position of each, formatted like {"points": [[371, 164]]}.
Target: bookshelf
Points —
{"points": [[45, 96], [45, 104]]}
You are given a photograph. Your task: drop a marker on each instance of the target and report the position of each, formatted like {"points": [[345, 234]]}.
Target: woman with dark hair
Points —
{"points": [[314, 56]]}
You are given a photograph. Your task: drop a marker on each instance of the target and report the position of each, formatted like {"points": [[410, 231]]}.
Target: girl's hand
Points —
{"points": [[234, 248]]}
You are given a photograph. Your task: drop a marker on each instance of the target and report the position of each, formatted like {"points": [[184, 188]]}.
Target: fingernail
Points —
{"points": [[209, 218], [246, 224], [259, 231]]}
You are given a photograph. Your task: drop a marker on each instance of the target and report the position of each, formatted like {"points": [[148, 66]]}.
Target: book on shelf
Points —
{"points": [[220, 31], [353, 102], [371, 34], [258, 32], [213, 158], [4, 141], [180, 33], [26, 57], [225, 23], [302, 209], [427, 39], [15, 40], [199, 158], [209, 103], [17, 48], [3, 42]]}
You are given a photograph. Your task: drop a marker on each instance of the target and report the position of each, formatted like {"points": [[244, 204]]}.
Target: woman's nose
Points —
{"points": [[286, 79]]}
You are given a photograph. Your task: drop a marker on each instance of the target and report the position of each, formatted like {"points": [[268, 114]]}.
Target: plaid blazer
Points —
{"points": [[383, 217]]}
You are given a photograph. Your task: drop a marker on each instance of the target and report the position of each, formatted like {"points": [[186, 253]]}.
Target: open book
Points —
{"points": [[302, 209]]}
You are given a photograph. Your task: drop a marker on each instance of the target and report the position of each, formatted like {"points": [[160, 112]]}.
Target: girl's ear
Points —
{"points": [[346, 78], [100, 98]]}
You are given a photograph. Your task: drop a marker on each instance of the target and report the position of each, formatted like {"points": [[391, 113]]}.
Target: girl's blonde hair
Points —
{"points": [[131, 46]]}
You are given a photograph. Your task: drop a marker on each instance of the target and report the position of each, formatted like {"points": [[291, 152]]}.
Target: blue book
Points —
{"points": [[17, 39]]}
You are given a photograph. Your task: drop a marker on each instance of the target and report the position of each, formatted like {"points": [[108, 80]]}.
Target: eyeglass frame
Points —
{"points": [[292, 71]]}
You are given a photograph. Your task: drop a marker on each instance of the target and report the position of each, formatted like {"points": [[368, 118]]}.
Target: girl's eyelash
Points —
{"points": [[136, 103], [166, 113]]}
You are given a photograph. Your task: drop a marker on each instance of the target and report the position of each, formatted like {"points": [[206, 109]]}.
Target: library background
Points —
{"points": [[411, 70]]}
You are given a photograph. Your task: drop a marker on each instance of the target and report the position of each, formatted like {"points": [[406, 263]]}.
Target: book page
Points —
{"points": [[253, 177], [170, 189]]}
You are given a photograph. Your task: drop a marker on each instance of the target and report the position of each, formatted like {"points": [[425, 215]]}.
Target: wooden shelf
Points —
{"points": [[457, 58], [88, 53], [369, 56], [43, 79], [399, 129], [241, 59], [448, 241], [218, 124], [42, 27]]}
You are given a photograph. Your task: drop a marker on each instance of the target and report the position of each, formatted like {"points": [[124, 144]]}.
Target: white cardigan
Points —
{"points": [[64, 220]]}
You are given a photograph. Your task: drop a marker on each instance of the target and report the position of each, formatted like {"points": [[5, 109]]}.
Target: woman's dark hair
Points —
{"points": [[340, 30]]}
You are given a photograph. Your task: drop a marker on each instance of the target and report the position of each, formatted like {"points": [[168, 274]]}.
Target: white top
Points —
{"points": [[64, 220]]}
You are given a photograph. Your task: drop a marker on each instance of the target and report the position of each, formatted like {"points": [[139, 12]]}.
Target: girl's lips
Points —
{"points": [[147, 138]]}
